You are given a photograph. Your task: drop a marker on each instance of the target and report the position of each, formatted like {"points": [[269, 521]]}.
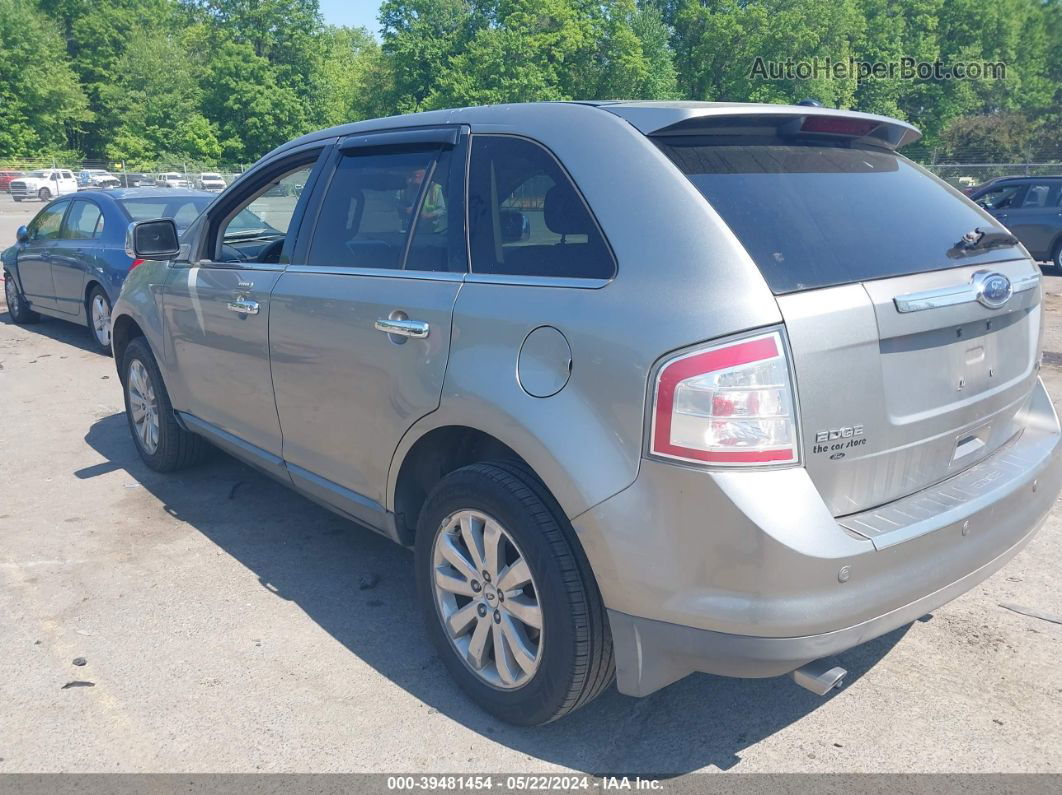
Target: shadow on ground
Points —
{"points": [[73, 334], [306, 555]]}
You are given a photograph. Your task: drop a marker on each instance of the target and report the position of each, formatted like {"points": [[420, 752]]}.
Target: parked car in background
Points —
{"points": [[211, 182], [134, 180], [44, 184], [1031, 208], [171, 179], [6, 177], [650, 387], [97, 178], [70, 261]]}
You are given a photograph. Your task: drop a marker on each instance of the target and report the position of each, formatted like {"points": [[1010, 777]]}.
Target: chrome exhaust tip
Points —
{"points": [[819, 676]]}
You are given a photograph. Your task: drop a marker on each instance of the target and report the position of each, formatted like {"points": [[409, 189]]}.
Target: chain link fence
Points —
{"points": [[190, 173], [965, 175], [961, 175]]}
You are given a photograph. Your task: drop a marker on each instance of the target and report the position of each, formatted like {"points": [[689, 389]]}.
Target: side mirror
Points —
{"points": [[514, 226], [22, 234], [152, 239]]}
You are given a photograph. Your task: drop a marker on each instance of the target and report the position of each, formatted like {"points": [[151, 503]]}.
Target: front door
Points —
{"points": [[360, 325], [218, 312], [1037, 219], [34, 258]]}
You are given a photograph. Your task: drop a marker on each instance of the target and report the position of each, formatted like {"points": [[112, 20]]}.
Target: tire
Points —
{"points": [[16, 302], [44, 194], [1056, 257], [174, 448], [99, 328], [17, 198], [568, 661]]}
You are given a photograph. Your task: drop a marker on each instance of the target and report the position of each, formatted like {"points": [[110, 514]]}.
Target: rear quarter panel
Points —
{"points": [[681, 279]]}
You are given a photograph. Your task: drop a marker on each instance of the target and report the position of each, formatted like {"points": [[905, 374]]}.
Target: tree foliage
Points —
{"points": [[227, 80]]}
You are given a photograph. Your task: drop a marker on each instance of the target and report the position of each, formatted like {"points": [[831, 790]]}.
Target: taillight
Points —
{"points": [[136, 263], [729, 404], [838, 125]]}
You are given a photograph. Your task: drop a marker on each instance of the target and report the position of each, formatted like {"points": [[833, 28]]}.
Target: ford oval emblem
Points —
{"points": [[993, 289]]}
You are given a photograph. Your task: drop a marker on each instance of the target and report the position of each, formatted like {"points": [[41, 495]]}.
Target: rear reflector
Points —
{"points": [[729, 404], [838, 125]]}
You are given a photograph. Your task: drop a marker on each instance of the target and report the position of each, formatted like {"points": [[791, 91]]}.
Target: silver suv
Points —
{"points": [[652, 388]]}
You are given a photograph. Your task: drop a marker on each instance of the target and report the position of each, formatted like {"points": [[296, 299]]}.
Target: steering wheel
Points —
{"points": [[232, 254], [271, 253]]}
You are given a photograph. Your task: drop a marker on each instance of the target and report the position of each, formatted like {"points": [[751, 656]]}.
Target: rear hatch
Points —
{"points": [[911, 356]]}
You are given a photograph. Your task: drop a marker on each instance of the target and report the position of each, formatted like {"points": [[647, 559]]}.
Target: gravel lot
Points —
{"points": [[229, 625]]}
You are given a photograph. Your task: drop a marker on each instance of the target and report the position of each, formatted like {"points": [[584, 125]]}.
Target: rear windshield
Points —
{"points": [[182, 209], [815, 215]]}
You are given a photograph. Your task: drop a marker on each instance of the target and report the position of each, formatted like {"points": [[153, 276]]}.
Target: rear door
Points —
{"points": [[360, 324], [35, 256], [75, 253], [913, 350], [1037, 219]]}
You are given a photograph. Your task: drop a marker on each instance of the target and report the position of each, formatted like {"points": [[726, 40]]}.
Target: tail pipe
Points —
{"points": [[819, 676]]}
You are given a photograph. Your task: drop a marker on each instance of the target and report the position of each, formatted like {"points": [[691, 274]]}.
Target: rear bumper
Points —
{"points": [[747, 574]]}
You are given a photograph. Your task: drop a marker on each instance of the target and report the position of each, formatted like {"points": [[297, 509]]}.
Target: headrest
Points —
{"points": [[563, 213]]}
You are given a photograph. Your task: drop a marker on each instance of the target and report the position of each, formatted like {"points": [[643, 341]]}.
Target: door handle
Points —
{"points": [[244, 306], [417, 329]]}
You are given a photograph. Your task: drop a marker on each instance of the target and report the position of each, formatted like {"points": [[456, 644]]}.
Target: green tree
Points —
{"points": [[420, 37], [717, 43], [155, 106], [527, 50], [345, 76], [41, 103], [97, 34], [252, 112]]}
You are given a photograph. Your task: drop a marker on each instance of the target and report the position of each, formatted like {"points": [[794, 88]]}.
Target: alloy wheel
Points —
{"points": [[487, 600], [143, 406], [11, 295], [101, 320]]}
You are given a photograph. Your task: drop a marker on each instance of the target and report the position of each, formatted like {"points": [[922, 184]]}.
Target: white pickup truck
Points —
{"points": [[44, 184]]}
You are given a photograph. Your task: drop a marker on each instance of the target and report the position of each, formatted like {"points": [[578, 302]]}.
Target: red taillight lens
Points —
{"points": [[728, 404], [837, 125], [136, 263]]}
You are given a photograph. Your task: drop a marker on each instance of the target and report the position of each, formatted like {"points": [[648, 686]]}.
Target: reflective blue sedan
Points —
{"points": [[70, 261]]}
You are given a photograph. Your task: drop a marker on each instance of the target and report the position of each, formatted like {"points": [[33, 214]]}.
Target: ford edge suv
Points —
{"points": [[650, 388]]}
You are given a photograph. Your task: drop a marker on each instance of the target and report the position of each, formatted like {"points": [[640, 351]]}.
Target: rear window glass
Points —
{"points": [[183, 210], [815, 215]]}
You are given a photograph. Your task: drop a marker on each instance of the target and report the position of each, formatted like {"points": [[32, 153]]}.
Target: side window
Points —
{"points": [[46, 226], [526, 218], [257, 231], [373, 203], [1000, 198], [1035, 196], [83, 222]]}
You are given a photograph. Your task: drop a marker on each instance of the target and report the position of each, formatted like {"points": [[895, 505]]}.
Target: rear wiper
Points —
{"points": [[981, 240]]}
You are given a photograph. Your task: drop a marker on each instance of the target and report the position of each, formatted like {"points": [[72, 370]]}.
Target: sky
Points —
{"points": [[355, 13]]}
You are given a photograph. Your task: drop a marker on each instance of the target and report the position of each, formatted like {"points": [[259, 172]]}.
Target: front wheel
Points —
{"points": [[162, 444], [44, 194], [16, 304], [507, 596], [99, 319], [1056, 257]]}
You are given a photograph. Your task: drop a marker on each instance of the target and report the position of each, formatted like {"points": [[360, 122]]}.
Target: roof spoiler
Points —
{"points": [[775, 120]]}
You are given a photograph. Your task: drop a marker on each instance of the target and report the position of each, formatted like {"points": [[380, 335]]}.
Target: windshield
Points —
{"points": [[183, 210], [814, 215], [37, 174]]}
